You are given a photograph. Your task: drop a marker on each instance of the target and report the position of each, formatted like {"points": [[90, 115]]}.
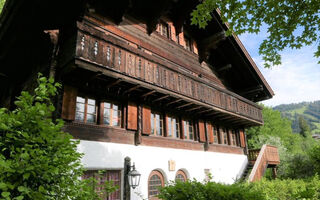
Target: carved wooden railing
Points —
{"points": [[116, 58], [268, 155]]}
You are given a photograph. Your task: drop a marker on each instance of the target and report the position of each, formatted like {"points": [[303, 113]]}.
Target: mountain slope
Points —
{"points": [[310, 111]]}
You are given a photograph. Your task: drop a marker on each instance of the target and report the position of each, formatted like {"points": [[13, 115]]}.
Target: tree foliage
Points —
{"points": [[290, 24], [2, 4], [37, 159], [304, 127], [293, 148]]}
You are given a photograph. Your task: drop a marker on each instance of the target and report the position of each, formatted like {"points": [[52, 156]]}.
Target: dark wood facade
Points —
{"points": [[146, 60]]}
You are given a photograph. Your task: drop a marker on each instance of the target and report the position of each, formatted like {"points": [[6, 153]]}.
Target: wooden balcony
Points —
{"points": [[115, 58], [261, 159]]}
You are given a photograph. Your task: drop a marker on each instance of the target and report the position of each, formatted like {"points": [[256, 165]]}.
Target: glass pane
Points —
{"points": [[91, 118], [152, 123], [106, 116], [116, 117], [81, 100], [79, 116], [190, 131], [106, 105], [91, 109], [91, 102], [80, 107], [185, 130], [169, 126], [177, 130]]}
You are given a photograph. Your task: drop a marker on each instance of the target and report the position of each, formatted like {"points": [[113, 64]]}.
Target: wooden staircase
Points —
{"points": [[260, 160]]}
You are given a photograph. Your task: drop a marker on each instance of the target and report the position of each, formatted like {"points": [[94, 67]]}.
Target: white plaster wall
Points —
{"points": [[225, 168]]}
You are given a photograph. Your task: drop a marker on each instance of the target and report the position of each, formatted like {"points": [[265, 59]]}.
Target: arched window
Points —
{"points": [[155, 181], [181, 176]]}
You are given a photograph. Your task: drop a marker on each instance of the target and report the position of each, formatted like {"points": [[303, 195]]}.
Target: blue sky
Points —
{"points": [[297, 79]]}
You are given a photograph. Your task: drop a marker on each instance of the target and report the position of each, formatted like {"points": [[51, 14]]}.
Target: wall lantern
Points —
{"points": [[134, 177]]}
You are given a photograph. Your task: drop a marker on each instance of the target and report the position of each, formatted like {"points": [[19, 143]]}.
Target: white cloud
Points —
{"points": [[297, 79]]}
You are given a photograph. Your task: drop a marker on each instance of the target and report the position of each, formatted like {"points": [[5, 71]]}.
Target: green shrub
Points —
{"points": [[300, 189], [194, 190]]}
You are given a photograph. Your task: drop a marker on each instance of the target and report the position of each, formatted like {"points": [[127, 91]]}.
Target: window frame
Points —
{"points": [[163, 24], [154, 122], [186, 126], [120, 111], [172, 125], [181, 172], [162, 180], [106, 175], [85, 112]]}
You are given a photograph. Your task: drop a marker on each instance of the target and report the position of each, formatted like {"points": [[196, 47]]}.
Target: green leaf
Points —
{"points": [[5, 194]]}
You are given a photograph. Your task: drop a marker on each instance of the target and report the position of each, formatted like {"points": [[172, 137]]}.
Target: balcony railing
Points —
{"points": [[119, 59], [263, 158]]}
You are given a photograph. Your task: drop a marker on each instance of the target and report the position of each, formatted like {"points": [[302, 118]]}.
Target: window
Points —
{"points": [[224, 136], [102, 177], [111, 114], [164, 29], [155, 181], [156, 124], [215, 135], [173, 127], [86, 110], [188, 43], [188, 130], [234, 138], [181, 176], [212, 132]]}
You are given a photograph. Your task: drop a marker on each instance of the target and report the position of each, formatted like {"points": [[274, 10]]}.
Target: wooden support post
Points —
{"points": [[175, 101], [148, 93], [274, 172], [126, 169], [184, 105], [137, 138]]}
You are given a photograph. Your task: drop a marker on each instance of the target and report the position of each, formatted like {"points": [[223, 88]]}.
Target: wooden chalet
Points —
{"points": [[140, 81]]}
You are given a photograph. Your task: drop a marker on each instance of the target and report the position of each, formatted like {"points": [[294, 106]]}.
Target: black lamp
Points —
{"points": [[134, 177]]}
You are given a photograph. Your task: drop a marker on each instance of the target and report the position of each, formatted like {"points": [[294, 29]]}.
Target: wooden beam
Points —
{"points": [[160, 98], [213, 40], [131, 89], [195, 108], [224, 68], [113, 83], [95, 75], [148, 93], [175, 101], [204, 111], [184, 105], [255, 89]]}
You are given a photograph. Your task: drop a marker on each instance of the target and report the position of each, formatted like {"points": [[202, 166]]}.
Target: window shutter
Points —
{"points": [[210, 133], [146, 120], [69, 103], [229, 137], [202, 135], [132, 118], [242, 139]]}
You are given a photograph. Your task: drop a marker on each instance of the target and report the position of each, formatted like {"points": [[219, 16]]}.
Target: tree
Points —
{"points": [[290, 24], [1, 5], [38, 160], [304, 127]]}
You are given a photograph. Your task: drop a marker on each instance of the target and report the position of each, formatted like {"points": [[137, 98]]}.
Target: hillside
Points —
{"points": [[309, 110]]}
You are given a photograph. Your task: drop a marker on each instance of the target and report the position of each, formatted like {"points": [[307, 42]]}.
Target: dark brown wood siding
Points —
{"points": [[69, 103]]}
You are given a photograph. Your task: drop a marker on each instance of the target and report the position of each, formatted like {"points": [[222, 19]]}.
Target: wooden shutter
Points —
{"points": [[229, 137], [69, 103], [132, 118], [202, 134], [146, 120], [242, 139], [210, 133]]}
